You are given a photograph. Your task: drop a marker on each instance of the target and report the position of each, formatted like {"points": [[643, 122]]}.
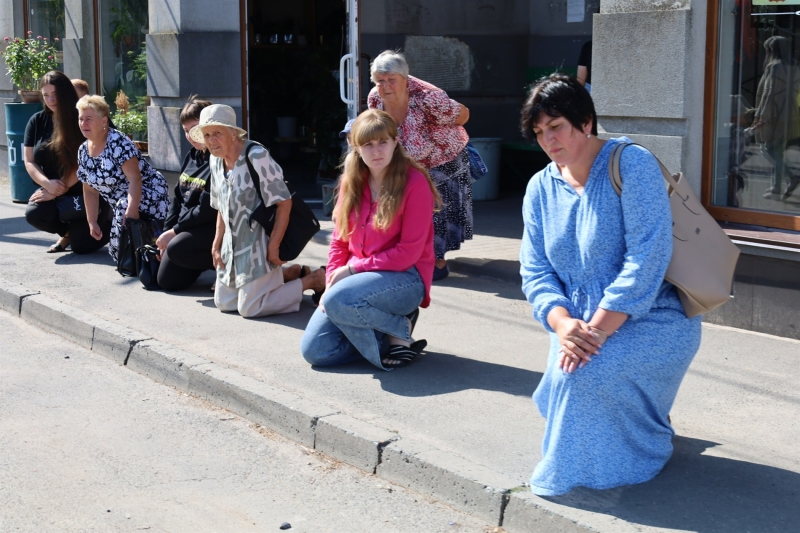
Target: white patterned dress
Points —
{"points": [[244, 246], [104, 174]]}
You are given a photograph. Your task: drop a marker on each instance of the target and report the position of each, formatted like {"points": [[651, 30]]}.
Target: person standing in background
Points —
{"points": [[585, 66]]}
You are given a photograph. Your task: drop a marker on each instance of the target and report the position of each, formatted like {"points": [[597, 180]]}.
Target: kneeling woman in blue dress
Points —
{"points": [[593, 266]]}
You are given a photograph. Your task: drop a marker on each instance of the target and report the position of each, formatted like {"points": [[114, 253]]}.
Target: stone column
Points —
{"points": [[648, 77], [193, 48]]}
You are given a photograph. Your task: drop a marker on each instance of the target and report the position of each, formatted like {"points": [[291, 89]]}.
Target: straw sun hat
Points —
{"points": [[215, 115]]}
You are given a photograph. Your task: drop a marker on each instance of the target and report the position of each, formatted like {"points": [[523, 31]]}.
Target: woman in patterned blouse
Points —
{"points": [[109, 165], [249, 275], [430, 129]]}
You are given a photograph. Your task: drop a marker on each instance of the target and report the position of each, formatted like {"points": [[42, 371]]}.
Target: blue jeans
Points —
{"points": [[360, 311]]}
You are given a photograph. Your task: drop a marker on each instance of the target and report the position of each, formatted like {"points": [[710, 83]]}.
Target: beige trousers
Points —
{"points": [[267, 295]]}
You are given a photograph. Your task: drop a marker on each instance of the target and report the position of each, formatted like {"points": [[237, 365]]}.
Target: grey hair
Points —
{"points": [[389, 62]]}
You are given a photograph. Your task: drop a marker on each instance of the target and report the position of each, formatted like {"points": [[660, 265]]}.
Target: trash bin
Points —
{"points": [[17, 116], [488, 187]]}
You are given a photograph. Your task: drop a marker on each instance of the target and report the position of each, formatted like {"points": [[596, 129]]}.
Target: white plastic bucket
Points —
{"points": [[488, 187]]}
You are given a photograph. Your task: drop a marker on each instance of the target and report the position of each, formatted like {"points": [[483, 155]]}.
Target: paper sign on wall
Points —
{"points": [[576, 10]]}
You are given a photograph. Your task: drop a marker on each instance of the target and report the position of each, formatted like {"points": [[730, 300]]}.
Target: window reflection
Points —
{"points": [[46, 18], [757, 159], [123, 65]]}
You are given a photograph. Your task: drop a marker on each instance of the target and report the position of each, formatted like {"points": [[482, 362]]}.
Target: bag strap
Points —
{"points": [[614, 164], [254, 176]]}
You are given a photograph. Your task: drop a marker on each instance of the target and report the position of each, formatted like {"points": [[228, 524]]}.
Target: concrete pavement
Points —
{"points": [[464, 409], [86, 447]]}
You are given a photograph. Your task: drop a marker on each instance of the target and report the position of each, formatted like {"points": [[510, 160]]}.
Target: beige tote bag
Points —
{"points": [[703, 257]]}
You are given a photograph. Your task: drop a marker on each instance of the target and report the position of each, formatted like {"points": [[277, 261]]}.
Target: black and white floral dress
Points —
{"points": [[104, 174]]}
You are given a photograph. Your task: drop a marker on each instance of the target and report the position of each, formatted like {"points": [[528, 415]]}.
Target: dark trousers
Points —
{"points": [[44, 217], [187, 256]]}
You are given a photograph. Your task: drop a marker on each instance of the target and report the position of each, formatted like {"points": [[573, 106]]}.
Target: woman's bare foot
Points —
{"points": [[314, 281], [293, 272], [441, 263]]}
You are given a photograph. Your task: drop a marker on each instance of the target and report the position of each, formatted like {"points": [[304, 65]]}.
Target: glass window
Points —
{"points": [[757, 122], [46, 19], [123, 55], [72, 24]]}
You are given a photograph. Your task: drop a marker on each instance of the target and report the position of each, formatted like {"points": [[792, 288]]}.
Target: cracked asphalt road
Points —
{"points": [[88, 446]]}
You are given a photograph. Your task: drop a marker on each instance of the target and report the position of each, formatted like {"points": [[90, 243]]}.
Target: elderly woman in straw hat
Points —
{"points": [[430, 129], [249, 275]]}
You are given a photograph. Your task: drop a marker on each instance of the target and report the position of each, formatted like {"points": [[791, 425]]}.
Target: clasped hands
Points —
{"points": [[578, 343]]}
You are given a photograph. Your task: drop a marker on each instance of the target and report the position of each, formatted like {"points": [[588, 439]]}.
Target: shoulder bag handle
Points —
{"points": [[616, 177]]}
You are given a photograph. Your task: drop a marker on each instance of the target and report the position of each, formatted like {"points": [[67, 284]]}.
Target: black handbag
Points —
{"points": [[70, 208], [134, 235], [147, 256], [303, 225]]}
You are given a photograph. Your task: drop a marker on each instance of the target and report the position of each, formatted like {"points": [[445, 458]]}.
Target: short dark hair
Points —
{"points": [[558, 95], [191, 111]]}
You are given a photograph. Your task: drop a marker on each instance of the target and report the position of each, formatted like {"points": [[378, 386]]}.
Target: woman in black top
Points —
{"points": [[185, 245], [52, 139]]}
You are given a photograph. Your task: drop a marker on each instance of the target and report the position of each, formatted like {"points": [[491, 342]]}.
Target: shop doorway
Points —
{"points": [[295, 110]]}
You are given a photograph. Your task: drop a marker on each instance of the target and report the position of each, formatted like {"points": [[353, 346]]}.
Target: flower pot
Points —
{"points": [[141, 145], [30, 97], [17, 116]]}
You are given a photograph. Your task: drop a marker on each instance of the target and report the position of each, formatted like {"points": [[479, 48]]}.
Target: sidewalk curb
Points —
{"points": [[466, 486], [461, 483]]}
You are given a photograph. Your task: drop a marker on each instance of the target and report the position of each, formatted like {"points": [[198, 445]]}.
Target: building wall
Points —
{"points": [[193, 48], [502, 40], [648, 77]]}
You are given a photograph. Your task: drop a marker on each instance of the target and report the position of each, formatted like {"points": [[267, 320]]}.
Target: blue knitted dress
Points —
{"points": [[606, 423]]}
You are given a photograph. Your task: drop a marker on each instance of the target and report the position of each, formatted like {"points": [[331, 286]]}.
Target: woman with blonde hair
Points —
{"points": [[381, 259], [109, 165]]}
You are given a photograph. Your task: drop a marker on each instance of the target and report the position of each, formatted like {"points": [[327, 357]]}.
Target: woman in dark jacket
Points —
{"points": [[185, 245], [52, 139]]}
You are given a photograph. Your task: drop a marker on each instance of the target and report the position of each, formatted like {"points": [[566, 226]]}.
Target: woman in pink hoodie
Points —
{"points": [[380, 264]]}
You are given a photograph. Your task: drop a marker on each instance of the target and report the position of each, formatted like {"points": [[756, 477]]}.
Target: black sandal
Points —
{"points": [[412, 317], [317, 296], [57, 248], [399, 356]]}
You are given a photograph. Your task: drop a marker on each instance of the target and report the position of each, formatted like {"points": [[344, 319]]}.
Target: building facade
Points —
{"points": [[710, 86]]}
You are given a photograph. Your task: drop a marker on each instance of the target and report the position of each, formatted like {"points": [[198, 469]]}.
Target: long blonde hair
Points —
{"points": [[374, 125]]}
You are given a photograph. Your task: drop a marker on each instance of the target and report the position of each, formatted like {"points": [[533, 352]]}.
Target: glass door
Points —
{"points": [[350, 63]]}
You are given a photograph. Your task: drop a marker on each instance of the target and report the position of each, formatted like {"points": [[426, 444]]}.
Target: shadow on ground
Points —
{"points": [[702, 493], [9, 227], [436, 373]]}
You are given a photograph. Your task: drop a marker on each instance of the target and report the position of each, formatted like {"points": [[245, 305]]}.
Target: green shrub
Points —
{"points": [[133, 123]]}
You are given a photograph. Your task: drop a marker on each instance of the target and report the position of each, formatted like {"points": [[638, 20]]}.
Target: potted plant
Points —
{"points": [[131, 122], [27, 61]]}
